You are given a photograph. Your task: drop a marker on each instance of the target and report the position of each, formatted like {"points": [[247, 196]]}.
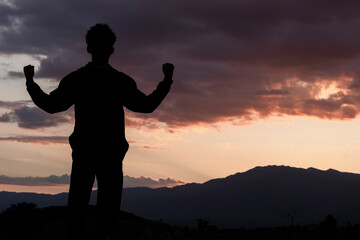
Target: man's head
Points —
{"points": [[100, 40]]}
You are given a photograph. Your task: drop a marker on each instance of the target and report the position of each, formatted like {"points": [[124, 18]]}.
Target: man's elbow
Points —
{"points": [[148, 110], [142, 108], [51, 111], [54, 108], [47, 109]]}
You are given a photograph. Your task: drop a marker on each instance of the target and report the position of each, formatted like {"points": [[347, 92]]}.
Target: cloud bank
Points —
{"points": [[35, 118], [32, 117], [151, 183], [45, 140], [35, 181], [235, 60], [53, 180]]}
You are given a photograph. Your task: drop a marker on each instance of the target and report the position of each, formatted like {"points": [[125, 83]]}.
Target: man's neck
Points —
{"points": [[100, 61]]}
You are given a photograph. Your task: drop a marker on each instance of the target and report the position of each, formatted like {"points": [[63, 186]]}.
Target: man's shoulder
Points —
{"points": [[124, 76], [91, 68], [72, 78], [89, 71], [75, 73], [81, 70], [79, 73], [126, 79]]}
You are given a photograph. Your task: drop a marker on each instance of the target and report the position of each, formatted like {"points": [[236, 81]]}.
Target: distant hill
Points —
{"points": [[262, 196]]}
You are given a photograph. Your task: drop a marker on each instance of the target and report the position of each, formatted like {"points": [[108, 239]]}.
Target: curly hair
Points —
{"points": [[100, 36]]}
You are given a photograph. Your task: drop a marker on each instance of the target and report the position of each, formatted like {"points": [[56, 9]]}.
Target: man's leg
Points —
{"points": [[81, 183], [110, 182]]}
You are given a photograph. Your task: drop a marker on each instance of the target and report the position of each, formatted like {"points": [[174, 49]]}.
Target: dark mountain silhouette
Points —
{"points": [[262, 196], [26, 221], [41, 200]]}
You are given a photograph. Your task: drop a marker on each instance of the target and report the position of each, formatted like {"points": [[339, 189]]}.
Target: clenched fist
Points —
{"points": [[29, 72], [168, 70]]}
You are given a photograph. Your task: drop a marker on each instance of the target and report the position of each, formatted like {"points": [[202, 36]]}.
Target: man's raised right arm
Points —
{"points": [[139, 102], [57, 101]]}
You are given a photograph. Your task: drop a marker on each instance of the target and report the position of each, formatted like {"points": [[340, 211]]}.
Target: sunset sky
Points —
{"points": [[256, 83]]}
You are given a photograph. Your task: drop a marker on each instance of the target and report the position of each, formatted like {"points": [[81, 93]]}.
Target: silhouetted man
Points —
{"points": [[99, 93]]}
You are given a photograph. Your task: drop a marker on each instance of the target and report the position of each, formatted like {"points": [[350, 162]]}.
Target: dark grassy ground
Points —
{"points": [[25, 221]]}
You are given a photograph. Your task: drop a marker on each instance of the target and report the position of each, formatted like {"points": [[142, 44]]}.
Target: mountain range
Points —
{"points": [[260, 197]]}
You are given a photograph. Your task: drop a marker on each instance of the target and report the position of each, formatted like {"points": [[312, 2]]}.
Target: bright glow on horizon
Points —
{"points": [[293, 141], [192, 155]]}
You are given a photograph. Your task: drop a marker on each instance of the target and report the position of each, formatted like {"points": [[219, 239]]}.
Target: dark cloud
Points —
{"points": [[65, 179], [272, 92], [13, 74], [13, 104], [35, 118], [233, 58], [37, 139]]}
